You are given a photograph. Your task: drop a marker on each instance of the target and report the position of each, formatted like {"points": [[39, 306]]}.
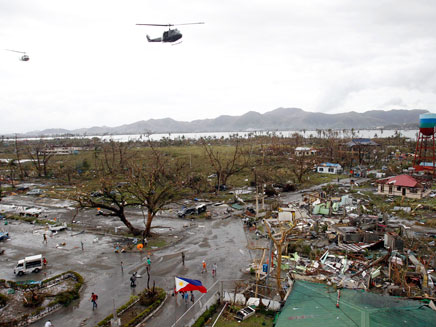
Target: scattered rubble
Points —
{"points": [[347, 241]]}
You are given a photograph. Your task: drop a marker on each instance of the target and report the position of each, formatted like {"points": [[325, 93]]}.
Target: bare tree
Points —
{"points": [[227, 165], [155, 184], [116, 155], [149, 183], [40, 157], [113, 198], [278, 240], [12, 165], [302, 165], [17, 154]]}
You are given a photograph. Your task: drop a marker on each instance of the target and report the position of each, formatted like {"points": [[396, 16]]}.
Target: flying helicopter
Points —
{"points": [[172, 35], [24, 57]]}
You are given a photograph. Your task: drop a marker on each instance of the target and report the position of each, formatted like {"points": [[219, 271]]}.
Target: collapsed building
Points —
{"points": [[344, 242]]}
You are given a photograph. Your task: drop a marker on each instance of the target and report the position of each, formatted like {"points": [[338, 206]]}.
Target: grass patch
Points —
{"points": [[257, 320], [261, 318], [159, 243], [206, 316], [137, 311], [32, 220]]}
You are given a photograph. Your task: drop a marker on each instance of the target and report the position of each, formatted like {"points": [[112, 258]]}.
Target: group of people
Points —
{"points": [[185, 296], [204, 268]]}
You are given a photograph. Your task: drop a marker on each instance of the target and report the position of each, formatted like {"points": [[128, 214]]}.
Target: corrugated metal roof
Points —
{"points": [[402, 180]]}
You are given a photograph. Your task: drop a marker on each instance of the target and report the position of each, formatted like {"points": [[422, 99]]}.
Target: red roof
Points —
{"points": [[401, 180]]}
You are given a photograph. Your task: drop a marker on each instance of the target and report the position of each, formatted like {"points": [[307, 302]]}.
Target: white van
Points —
{"points": [[29, 264]]}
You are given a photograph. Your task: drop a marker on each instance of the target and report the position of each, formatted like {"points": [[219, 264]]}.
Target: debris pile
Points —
{"points": [[348, 241]]}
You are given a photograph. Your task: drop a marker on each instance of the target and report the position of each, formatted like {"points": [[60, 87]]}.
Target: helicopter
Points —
{"points": [[24, 57], [172, 35]]}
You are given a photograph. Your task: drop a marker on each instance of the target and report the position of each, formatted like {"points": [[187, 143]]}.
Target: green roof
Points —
{"points": [[311, 304]]}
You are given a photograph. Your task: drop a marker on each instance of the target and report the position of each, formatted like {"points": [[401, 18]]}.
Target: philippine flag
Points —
{"points": [[185, 285]]}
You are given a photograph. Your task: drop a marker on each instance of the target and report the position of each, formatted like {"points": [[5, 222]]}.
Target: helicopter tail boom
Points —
{"points": [[158, 39]]}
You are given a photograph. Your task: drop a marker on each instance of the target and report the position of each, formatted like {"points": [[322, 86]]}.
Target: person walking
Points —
{"points": [[122, 269], [94, 298], [48, 324], [44, 240], [204, 267], [133, 280], [149, 263], [186, 296], [214, 269], [183, 258], [192, 297]]}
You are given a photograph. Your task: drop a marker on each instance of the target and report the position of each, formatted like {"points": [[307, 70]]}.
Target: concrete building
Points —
{"points": [[403, 185], [305, 151], [329, 168], [61, 150]]}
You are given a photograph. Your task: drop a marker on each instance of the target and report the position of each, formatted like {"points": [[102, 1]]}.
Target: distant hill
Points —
{"points": [[278, 119]]}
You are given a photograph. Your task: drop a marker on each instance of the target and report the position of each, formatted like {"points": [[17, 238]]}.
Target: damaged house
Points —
{"points": [[403, 185]]}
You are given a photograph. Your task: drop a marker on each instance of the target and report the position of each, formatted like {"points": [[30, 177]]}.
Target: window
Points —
{"points": [[398, 188], [320, 169], [413, 190], [331, 170], [382, 188]]}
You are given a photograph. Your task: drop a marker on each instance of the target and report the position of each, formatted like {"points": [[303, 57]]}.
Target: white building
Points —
{"points": [[304, 151], [329, 168]]}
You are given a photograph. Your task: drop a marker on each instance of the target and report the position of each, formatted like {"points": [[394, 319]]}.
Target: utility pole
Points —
{"points": [[257, 202]]}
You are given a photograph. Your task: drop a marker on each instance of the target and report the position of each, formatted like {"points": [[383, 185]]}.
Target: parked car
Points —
{"points": [[201, 208], [4, 236], [221, 188], [186, 212], [35, 191], [29, 264], [245, 313], [192, 210]]}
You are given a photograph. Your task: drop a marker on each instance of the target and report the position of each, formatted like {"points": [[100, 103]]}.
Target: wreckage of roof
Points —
{"points": [[357, 142], [312, 304], [400, 180]]}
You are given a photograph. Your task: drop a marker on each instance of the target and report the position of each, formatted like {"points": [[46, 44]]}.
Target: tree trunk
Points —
{"points": [[135, 231], [279, 271], [150, 217]]}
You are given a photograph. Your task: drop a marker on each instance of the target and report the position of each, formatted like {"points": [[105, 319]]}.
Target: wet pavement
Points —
{"points": [[214, 240]]}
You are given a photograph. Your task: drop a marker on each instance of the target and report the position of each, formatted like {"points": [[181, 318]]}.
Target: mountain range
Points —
{"points": [[280, 119]]}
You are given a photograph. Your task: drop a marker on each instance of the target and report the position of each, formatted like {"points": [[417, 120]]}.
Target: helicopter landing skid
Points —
{"points": [[176, 43]]}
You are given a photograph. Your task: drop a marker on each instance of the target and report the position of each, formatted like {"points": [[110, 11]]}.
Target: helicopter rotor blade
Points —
{"points": [[14, 51], [169, 25], [188, 24], [156, 25]]}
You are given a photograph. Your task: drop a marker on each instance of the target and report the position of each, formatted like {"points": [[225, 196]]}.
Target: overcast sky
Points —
{"points": [[90, 65]]}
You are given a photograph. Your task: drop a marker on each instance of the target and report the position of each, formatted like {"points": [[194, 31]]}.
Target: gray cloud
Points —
{"points": [[90, 65]]}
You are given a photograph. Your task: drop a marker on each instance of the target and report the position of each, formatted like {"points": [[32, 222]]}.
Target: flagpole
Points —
{"points": [[175, 295]]}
